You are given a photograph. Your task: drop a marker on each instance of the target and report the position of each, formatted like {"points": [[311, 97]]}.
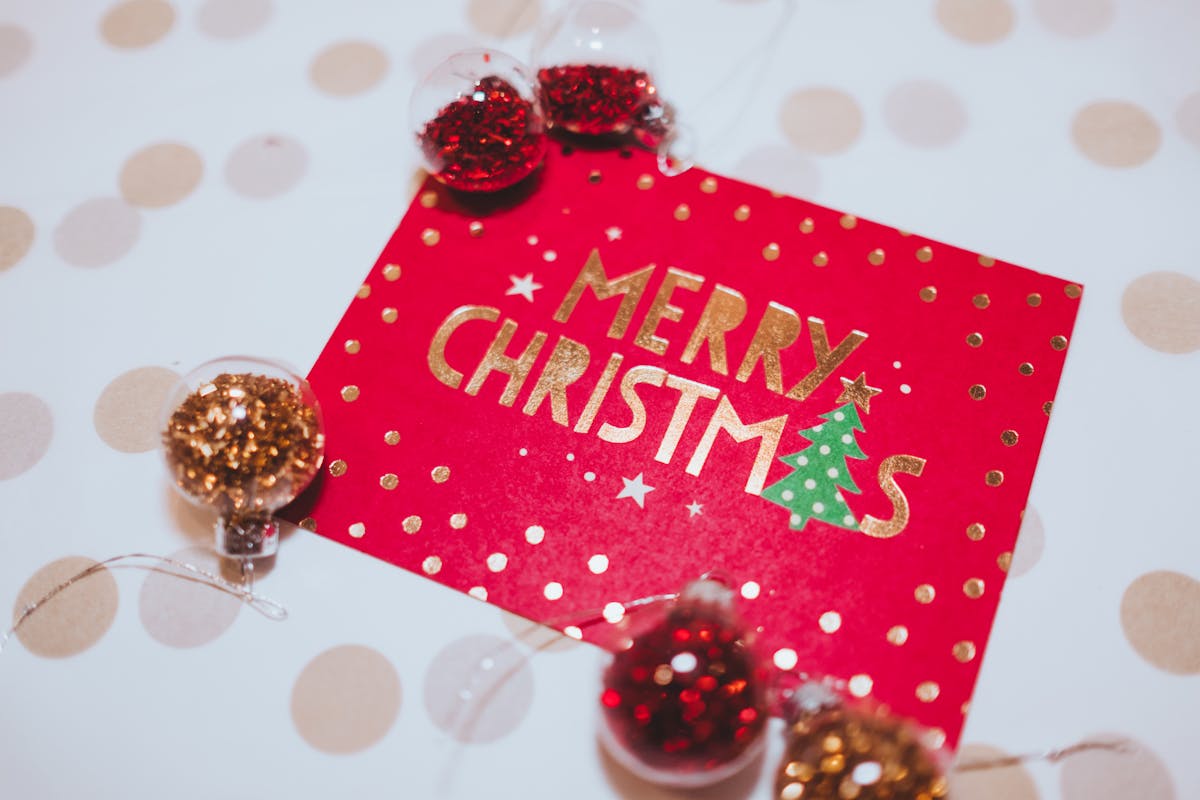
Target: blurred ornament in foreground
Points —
{"points": [[844, 753], [243, 437], [478, 122], [685, 704]]}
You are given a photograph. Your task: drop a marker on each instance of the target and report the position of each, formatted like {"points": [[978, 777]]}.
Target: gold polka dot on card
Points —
{"points": [[1047, 407], [411, 524], [897, 635], [1034, 300], [363, 292], [440, 474], [458, 521], [771, 252], [595, 176], [1004, 560], [973, 588], [1073, 290], [350, 393], [1025, 368], [807, 225], [1058, 342], [645, 182], [683, 212], [977, 391], [848, 221], [925, 254], [875, 257], [994, 477], [391, 272], [987, 261], [392, 437], [309, 524], [975, 531], [389, 315], [821, 259], [928, 691], [352, 346], [1009, 437], [924, 594], [337, 468], [428, 199], [389, 481], [475, 229], [981, 301], [975, 339], [741, 213], [964, 651], [357, 530], [431, 565], [708, 185], [929, 294], [431, 236]]}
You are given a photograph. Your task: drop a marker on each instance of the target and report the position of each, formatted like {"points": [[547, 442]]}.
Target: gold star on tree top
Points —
{"points": [[858, 392]]}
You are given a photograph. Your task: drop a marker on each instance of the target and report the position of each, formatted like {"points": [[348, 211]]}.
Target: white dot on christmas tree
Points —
{"points": [[849, 520], [802, 461], [810, 484], [787, 494], [818, 508], [847, 438], [824, 450], [839, 416], [796, 520], [832, 472], [817, 428]]}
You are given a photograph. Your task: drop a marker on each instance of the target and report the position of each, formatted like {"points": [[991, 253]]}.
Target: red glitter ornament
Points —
{"points": [[593, 99], [491, 134], [685, 703]]}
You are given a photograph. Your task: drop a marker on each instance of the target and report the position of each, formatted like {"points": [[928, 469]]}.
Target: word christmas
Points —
{"points": [[725, 309]]}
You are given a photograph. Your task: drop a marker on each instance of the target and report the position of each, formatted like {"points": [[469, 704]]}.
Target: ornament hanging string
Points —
{"points": [[271, 609]]}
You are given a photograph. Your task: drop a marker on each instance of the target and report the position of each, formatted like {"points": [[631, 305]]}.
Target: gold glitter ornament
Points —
{"points": [[846, 753], [244, 437]]}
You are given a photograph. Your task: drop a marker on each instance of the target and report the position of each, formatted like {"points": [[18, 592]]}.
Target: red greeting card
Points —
{"points": [[627, 380]]}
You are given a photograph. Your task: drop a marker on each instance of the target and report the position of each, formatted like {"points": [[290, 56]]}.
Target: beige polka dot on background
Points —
{"points": [[1107, 775], [1188, 118], [128, 412], [26, 427], [233, 19], [346, 699], [821, 120], [1030, 544], [782, 169], [75, 618], [185, 613], [161, 174], [478, 689], [97, 232], [266, 166], [16, 235], [1003, 783], [1114, 133], [1074, 17], [925, 114], [137, 23], [1160, 614], [503, 17], [976, 21], [1162, 309], [15, 47], [348, 68]]}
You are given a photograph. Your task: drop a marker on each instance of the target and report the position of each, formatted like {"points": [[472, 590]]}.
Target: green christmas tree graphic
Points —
{"points": [[813, 490]]}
